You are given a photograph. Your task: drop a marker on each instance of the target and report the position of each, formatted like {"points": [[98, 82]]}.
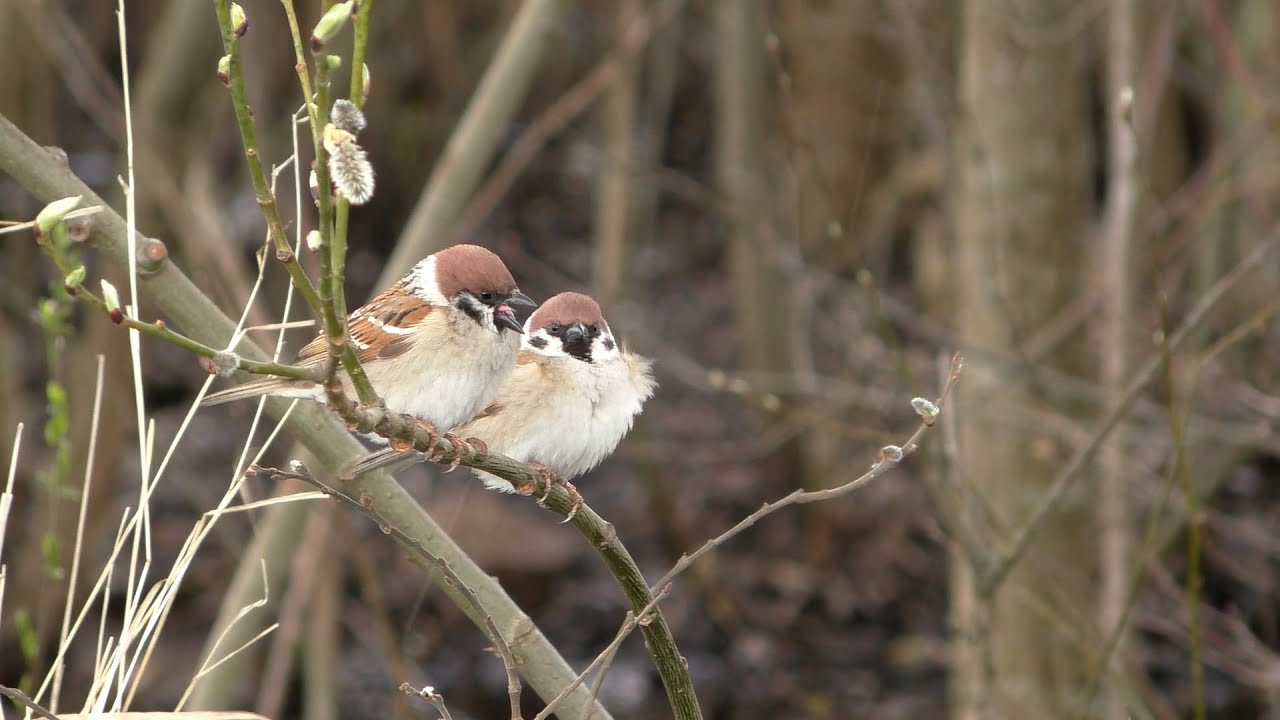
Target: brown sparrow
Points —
{"points": [[436, 345], [572, 397]]}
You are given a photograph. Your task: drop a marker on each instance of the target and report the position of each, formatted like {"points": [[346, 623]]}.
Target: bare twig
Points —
{"points": [[889, 459], [20, 698], [429, 694], [366, 506], [477, 136], [1116, 252], [1006, 556], [44, 175], [406, 431], [568, 107], [632, 621], [267, 201]]}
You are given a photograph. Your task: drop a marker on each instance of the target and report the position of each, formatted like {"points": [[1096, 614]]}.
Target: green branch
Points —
{"points": [[47, 176], [332, 221], [261, 187], [407, 432]]}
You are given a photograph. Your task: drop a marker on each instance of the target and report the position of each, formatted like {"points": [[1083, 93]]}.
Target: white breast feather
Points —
{"points": [[451, 374], [564, 413]]}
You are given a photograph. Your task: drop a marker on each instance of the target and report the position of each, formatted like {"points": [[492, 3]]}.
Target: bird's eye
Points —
{"points": [[555, 328], [486, 296]]}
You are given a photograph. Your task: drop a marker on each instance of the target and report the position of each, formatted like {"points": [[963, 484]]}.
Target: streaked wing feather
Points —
{"points": [[380, 329]]}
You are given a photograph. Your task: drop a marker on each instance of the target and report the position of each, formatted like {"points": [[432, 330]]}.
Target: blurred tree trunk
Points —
{"points": [[841, 112], [1022, 213], [614, 197], [740, 175]]}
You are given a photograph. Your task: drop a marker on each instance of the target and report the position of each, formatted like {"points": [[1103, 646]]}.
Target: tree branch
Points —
{"points": [[47, 177]]}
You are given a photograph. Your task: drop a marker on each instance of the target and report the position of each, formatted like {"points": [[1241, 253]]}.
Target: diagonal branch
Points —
{"points": [[366, 506], [46, 176]]}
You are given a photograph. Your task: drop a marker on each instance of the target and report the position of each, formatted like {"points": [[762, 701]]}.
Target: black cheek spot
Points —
{"points": [[538, 342], [608, 343], [472, 309]]}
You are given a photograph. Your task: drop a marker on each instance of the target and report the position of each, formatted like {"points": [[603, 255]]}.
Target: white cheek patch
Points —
{"points": [[422, 282], [544, 344], [604, 346]]}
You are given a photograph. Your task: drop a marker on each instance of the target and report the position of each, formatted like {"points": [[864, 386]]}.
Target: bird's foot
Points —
{"points": [[460, 450], [549, 479]]}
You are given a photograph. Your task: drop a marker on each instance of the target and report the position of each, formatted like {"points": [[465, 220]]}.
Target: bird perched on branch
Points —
{"points": [[573, 396], [437, 345]]}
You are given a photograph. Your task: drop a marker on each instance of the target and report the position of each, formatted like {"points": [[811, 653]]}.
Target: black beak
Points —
{"points": [[575, 334], [519, 298], [503, 317]]}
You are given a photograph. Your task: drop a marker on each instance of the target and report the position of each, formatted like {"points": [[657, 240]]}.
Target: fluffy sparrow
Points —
{"points": [[572, 397], [436, 345]]}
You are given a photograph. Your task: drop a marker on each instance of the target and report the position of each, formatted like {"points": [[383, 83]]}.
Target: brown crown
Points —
{"points": [[473, 269], [567, 308]]}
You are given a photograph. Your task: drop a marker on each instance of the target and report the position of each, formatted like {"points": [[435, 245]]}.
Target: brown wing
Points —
{"points": [[380, 329]]}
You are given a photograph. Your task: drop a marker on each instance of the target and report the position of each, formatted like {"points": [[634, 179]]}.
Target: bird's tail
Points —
{"points": [[387, 458], [254, 389]]}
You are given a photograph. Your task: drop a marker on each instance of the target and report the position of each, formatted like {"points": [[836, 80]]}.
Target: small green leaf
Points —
{"points": [[53, 213], [331, 23], [28, 642], [110, 296], [75, 278], [52, 556]]}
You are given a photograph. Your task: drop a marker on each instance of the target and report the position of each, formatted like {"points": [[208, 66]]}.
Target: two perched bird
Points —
{"points": [[443, 345]]}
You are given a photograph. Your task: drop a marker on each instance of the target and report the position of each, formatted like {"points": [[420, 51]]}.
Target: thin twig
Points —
{"points": [[429, 694], [366, 506], [13, 227], [477, 135], [632, 621], [800, 497], [333, 313], [20, 698], [44, 175], [261, 188], [559, 115], [1005, 557], [160, 331]]}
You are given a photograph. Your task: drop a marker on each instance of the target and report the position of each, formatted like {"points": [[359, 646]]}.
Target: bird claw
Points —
{"points": [[427, 429], [460, 449], [575, 501], [550, 478]]}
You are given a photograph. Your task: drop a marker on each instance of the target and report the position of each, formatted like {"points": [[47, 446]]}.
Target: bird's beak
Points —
{"points": [[505, 317], [519, 298], [575, 334]]}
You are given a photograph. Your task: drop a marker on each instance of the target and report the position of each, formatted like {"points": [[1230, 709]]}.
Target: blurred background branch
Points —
{"points": [[796, 208]]}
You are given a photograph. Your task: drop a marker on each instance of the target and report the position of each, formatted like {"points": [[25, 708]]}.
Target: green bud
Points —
{"points": [[75, 278], [224, 69], [53, 213], [365, 81], [110, 296], [239, 22], [331, 23], [333, 61]]}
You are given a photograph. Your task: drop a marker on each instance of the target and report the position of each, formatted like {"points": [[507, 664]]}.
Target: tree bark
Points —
{"points": [[1021, 221]]}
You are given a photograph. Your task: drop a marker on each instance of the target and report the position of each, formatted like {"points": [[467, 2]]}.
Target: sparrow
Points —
{"points": [[437, 345], [572, 397]]}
